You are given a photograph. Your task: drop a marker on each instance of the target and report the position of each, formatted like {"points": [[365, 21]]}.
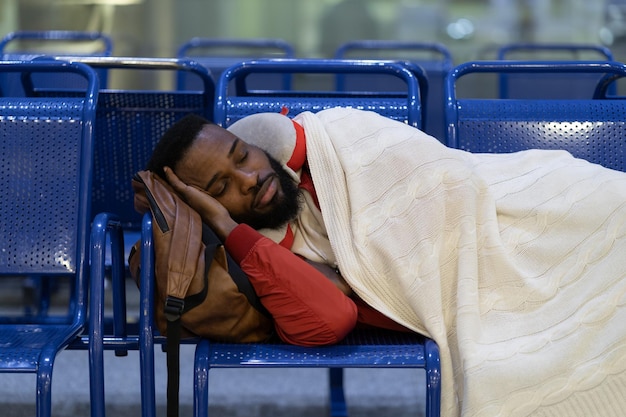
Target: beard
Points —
{"points": [[286, 208]]}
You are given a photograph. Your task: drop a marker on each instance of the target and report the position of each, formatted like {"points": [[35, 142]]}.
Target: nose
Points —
{"points": [[248, 180]]}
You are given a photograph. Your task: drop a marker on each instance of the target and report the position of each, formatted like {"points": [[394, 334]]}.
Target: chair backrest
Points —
{"points": [[433, 57], [130, 122], [46, 165], [554, 51], [219, 54], [592, 129], [405, 106], [571, 85], [28, 45]]}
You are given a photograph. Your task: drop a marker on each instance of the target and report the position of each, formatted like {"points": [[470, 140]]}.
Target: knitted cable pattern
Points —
{"points": [[514, 264]]}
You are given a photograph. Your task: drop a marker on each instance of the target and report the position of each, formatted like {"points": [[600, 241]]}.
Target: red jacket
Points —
{"points": [[308, 309]]}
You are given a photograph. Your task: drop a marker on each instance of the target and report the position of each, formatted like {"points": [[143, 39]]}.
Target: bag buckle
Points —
{"points": [[173, 308]]}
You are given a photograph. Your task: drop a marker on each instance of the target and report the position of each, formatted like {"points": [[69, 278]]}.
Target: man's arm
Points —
{"points": [[308, 308]]}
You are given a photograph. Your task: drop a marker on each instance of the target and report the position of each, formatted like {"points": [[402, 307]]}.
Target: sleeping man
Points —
{"points": [[513, 263]]}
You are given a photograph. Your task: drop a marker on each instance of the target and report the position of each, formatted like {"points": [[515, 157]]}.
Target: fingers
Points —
{"points": [[173, 180], [191, 194], [211, 211]]}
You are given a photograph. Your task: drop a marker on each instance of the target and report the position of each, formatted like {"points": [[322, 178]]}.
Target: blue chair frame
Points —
{"points": [[45, 40], [59, 36], [40, 45], [509, 125], [553, 86], [218, 54], [405, 106], [130, 122], [574, 49], [50, 237], [361, 349], [148, 337], [434, 57]]}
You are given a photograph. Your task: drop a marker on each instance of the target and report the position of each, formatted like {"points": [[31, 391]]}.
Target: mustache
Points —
{"points": [[261, 181], [286, 209]]}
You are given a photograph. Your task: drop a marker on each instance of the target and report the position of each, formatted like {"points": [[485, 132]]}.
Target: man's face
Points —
{"points": [[252, 186]]}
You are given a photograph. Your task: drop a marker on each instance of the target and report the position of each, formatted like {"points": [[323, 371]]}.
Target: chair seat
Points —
{"points": [[22, 345], [361, 348], [371, 348]]}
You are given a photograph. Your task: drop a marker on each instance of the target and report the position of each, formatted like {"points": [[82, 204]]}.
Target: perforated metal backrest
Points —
{"points": [[46, 149], [219, 54], [130, 122], [230, 105], [592, 129], [56, 41], [40, 174], [551, 85], [433, 57], [29, 45], [554, 51], [129, 126]]}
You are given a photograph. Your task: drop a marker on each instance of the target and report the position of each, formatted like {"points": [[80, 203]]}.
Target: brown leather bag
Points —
{"points": [[200, 290], [196, 280]]}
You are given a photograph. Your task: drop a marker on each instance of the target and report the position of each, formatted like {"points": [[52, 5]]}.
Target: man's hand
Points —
{"points": [[211, 211]]}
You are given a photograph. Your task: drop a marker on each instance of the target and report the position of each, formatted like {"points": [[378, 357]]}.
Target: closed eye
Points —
{"points": [[220, 189], [244, 156]]}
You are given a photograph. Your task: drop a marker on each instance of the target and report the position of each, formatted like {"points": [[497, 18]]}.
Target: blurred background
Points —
{"points": [[470, 29]]}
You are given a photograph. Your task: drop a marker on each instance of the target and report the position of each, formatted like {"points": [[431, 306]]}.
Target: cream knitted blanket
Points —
{"points": [[514, 264]]}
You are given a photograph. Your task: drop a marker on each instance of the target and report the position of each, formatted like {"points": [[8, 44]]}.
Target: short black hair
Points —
{"points": [[175, 142]]}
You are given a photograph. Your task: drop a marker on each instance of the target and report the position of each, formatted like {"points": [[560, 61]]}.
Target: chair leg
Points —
{"points": [[44, 383], [146, 313], [433, 379], [338, 407], [201, 380], [96, 334], [96, 380]]}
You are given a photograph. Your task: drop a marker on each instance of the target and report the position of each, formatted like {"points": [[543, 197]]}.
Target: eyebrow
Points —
{"points": [[230, 153]]}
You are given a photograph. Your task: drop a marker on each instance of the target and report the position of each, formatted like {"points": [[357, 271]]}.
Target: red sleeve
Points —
{"points": [[308, 309], [369, 317]]}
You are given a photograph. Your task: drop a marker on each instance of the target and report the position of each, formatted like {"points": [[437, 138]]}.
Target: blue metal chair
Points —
{"points": [[35, 45], [357, 350], [27, 45], [433, 57], [235, 99], [130, 122], [591, 128], [360, 349], [570, 85], [47, 153], [219, 54], [554, 52]]}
